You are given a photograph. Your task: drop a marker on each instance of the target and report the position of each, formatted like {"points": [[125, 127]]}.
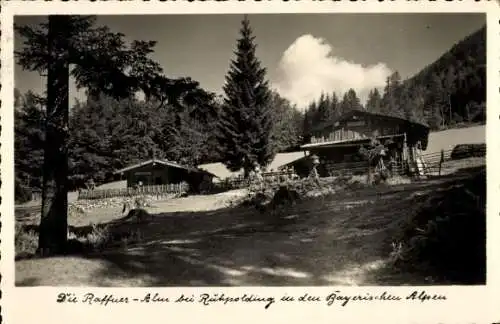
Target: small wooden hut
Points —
{"points": [[160, 172]]}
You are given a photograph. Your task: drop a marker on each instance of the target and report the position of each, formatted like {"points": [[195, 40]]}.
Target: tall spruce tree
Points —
{"points": [[245, 121], [391, 96], [334, 106], [350, 102], [374, 102], [324, 109]]}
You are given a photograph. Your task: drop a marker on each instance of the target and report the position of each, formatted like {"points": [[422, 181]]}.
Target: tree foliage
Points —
{"points": [[328, 108], [374, 102], [449, 91], [102, 62], [287, 124], [246, 119], [107, 134], [350, 102], [29, 129]]}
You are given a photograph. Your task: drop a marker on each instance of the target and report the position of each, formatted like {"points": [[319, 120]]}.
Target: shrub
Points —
{"points": [[26, 241], [99, 237], [75, 211], [140, 202], [22, 193], [284, 196]]}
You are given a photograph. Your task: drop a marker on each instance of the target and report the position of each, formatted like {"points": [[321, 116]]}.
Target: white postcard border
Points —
{"points": [[464, 304]]}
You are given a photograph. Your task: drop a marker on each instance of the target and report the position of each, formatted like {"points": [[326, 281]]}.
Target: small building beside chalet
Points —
{"points": [[280, 162], [161, 172], [337, 143]]}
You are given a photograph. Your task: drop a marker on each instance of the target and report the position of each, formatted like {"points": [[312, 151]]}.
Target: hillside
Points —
{"points": [[447, 92], [467, 56], [456, 79]]}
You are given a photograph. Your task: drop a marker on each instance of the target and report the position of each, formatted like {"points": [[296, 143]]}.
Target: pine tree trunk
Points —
{"points": [[369, 176], [54, 214], [246, 172]]}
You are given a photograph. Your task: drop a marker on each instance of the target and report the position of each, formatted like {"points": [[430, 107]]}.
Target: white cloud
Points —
{"points": [[309, 67]]}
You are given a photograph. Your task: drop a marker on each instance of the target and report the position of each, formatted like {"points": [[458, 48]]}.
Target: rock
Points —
{"points": [[285, 196], [260, 201]]}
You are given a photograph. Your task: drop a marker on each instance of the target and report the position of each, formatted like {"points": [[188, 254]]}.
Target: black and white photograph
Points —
{"points": [[249, 150]]}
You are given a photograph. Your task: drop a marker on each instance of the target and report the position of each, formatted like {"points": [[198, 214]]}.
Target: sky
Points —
{"points": [[304, 54]]}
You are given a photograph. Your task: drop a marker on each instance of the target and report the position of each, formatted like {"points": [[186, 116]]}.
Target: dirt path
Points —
{"points": [[198, 203], [29, 213]]}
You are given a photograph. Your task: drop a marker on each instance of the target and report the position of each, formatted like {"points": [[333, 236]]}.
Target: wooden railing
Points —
{"points": [[435, 164], [166, 189], [339, 135], [359, 168], [240, 182], [439, 163]]}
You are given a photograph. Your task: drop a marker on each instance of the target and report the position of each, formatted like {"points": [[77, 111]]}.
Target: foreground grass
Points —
{"points": [[340, 239]]}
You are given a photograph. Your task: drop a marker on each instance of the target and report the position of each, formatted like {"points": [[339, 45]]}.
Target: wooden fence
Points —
{"points": [[435, 164], [358, 168], [240, 182], [439, 163], [36, 195], [167, 189]]}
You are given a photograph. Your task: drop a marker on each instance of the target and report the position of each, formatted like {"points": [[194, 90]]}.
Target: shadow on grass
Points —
{"points": [[27, 282], [329, 241]]}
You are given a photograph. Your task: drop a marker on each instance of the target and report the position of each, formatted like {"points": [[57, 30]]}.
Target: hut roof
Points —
{"points": [[164, 163], [280, 159]]}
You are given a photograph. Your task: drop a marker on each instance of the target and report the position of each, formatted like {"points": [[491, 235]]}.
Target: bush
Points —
{"points": [[463, 151], [22, 194], [92, 238], [285, 196], [446, 239], [99, 237], [75, 211], [26, 242]]}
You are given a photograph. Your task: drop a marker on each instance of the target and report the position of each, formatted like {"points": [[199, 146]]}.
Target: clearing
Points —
{"points": [[341, 239]]}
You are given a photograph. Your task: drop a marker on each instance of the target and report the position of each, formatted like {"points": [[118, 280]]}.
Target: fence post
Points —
{"points": [[441, 161]]}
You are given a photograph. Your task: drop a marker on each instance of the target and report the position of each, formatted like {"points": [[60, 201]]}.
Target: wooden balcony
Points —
{"points": [[339, 135], [346, 138]]}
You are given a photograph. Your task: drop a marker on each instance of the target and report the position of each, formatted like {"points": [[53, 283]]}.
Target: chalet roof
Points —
{"points": [[417, 129], [352, 113], [162, 162]]}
